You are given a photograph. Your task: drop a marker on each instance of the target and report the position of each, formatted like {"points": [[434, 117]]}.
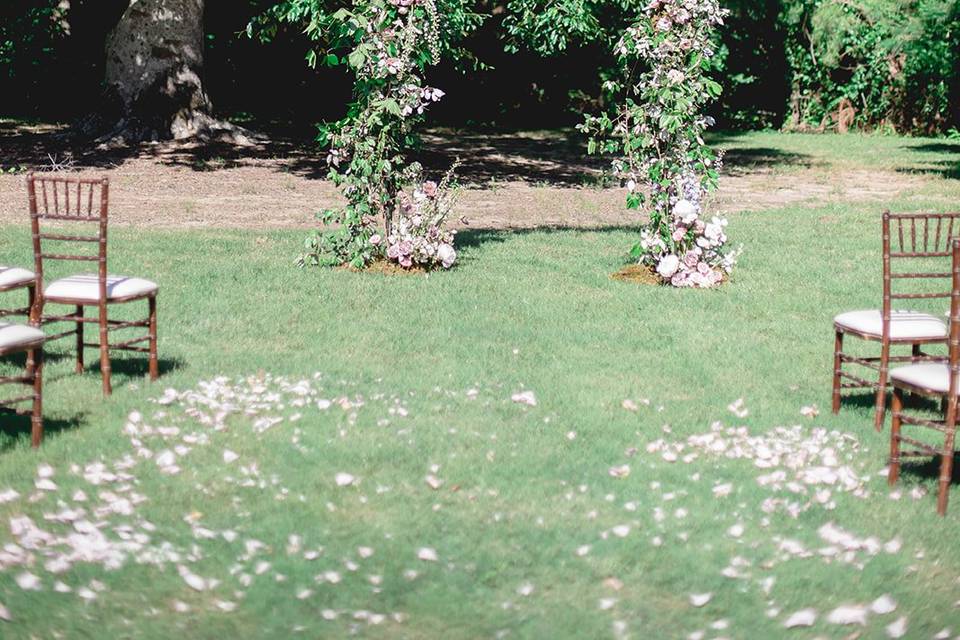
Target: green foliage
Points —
{"points": [[28, 31], [874, 63]]}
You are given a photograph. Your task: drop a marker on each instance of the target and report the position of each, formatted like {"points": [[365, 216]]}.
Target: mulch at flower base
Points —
{"points": [[386, 268], [638, 274]]}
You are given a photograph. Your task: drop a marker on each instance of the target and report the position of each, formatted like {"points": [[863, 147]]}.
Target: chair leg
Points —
{"points": [[154, 365], [895, 423], [104, 351], [946, 474], [837, 352], [916, 353], [881, 404], [36, 418], [79, 314]]}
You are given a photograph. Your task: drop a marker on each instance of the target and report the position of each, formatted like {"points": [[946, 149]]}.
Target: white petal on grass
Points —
{"points": [[44, 471], [229, 456], [848, 614], [802, 618], [621, 471], [737, 408], [583, 550], [525, 589], [5, 614], [897, 628], [893, 546], [525, 397], [883, 604], [45, 484], [193, 580], [700, 599], [344, 479], [364, 552], [606, 604], [736, 530], [722, 490], [225, 605], [629, 405], [433, 481], [8, 495], [809, 411], [28, 581], [621, 530], [427, 554]]}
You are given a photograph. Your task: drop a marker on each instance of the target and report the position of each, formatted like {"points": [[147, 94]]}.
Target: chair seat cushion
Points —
{"points": [[87, 287], [930, 375], [903, 324], [17, 335], [15, 276]]}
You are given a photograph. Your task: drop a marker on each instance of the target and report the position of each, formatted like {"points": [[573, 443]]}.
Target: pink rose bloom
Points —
{"points": [[406, 262], [679, 233], [664, 24], [375, 239], [704, 268], [393, 251], [430, 188], [690, 259], [679, 279], [699, 226], [405, 247]]}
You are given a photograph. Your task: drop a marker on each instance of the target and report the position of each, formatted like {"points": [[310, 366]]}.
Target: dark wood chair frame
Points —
{"points": [[55, 204], [948, 405], [32, 379], [31, 288], [918, 235]]}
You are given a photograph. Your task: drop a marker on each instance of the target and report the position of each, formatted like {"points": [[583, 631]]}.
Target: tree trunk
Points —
{"points": [[154, 76]]}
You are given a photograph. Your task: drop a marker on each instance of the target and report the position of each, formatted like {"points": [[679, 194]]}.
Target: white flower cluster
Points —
{"points": [[418, 238]]}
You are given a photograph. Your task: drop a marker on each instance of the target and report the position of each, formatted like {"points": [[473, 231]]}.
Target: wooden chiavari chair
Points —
{"points": [[936, 379], [79, 202], [13, 278], [18, 338], [918, 236]]}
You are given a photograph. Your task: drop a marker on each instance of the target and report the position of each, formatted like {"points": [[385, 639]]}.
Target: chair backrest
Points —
{"points": [[912, 237], [954, 340], [73, 203]]}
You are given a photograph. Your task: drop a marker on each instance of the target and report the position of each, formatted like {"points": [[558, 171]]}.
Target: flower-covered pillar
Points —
{"points": [[657, 138], [393, 42]]}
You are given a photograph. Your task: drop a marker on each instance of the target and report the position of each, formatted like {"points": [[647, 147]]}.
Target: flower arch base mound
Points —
{"points": [[638, 274], [646, 274], [386, 268]]}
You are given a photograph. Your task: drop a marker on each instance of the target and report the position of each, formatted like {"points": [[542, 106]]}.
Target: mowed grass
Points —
{"points": [[522, 487]]}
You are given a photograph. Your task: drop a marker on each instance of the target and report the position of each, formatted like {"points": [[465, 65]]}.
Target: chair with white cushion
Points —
{"points": [[18, 338], [931, 379], [75, 202], [13, 278], [917, 238]]}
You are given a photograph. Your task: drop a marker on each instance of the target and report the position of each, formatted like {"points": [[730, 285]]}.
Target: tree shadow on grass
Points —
{"points": [[555, 158], [133, 368], [944, 167]]}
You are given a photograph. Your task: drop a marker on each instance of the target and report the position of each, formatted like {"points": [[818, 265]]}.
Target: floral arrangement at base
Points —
{"points": [[656, 136], [418, 237]]}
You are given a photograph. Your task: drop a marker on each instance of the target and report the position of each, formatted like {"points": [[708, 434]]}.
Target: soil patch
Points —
{"points": [[637, 274], [519, 180]]}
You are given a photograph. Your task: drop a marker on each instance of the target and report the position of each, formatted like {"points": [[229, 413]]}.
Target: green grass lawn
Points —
{"points": [[533, 536]]}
